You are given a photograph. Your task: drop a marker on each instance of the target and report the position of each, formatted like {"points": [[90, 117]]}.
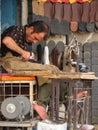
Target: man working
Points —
{"points": [[14, 54], [15, 39]]}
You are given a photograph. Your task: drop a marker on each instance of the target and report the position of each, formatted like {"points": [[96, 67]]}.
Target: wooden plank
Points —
{"points": [[32, 73], [61, 75], [18, 124]]}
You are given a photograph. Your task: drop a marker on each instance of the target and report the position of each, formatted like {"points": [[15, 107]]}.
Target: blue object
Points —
{"points": [[8, 13], [82, 67]]}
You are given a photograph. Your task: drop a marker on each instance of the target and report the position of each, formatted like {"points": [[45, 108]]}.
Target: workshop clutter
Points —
{"points": [[49, 125], [64, 17]]}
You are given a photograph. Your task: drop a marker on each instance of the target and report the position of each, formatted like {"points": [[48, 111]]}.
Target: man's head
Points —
{"points": [[37, 31]]}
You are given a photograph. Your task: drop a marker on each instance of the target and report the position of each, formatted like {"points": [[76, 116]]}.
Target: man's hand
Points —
{"points": [[25, 55], [11, 44]]}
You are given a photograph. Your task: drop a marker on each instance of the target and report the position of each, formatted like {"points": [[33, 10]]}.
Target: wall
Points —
{"points": [[8, 13]]}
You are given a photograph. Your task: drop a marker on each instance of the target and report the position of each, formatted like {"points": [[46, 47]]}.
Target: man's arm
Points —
{"points": [[11, 44]]}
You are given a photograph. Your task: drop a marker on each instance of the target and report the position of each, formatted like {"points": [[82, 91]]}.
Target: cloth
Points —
{"points": [[45, 93], [10, 62], [55, 56]]}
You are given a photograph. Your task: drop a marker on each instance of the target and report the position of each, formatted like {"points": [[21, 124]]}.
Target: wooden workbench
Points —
{"points": [[72, 78]]}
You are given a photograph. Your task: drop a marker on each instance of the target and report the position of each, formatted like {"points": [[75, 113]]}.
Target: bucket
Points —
{"points": [[51, 126]]}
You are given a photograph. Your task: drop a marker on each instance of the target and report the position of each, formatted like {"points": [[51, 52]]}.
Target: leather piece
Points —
{"points": [[55, 54], [76, 16], [85, 13], [67, 12], [76, 12], [48, 10], [90, 27], [64, 27], [51, 46], [58, 11], [92, 11], [39, 54], [74, 26], [82, 27], [55, 26]]}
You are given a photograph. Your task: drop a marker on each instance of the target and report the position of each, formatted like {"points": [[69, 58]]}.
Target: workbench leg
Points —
{"points": [[75, 89], [87, 85], [57, 99], [54, 102], [69, 106], [72, 106], [31, 93]]}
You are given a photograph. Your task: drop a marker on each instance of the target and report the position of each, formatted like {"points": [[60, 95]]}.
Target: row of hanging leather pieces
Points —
{"points": [[85, 12]]}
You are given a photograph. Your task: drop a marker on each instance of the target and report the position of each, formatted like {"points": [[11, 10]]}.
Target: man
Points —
{"points": [[16, 38], [14, 54], [14, 42]]}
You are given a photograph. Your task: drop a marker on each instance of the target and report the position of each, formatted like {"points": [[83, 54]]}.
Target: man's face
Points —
{"points": [[34, 37]]}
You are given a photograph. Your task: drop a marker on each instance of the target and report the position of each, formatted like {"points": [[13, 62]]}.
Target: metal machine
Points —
{"points": [[16, 107]]}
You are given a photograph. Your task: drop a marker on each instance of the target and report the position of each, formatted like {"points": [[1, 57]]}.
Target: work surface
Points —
{"points": [[61, 75]]}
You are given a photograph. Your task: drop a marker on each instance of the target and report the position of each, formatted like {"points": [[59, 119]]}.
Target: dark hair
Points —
{"points": [[41, 26]]}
